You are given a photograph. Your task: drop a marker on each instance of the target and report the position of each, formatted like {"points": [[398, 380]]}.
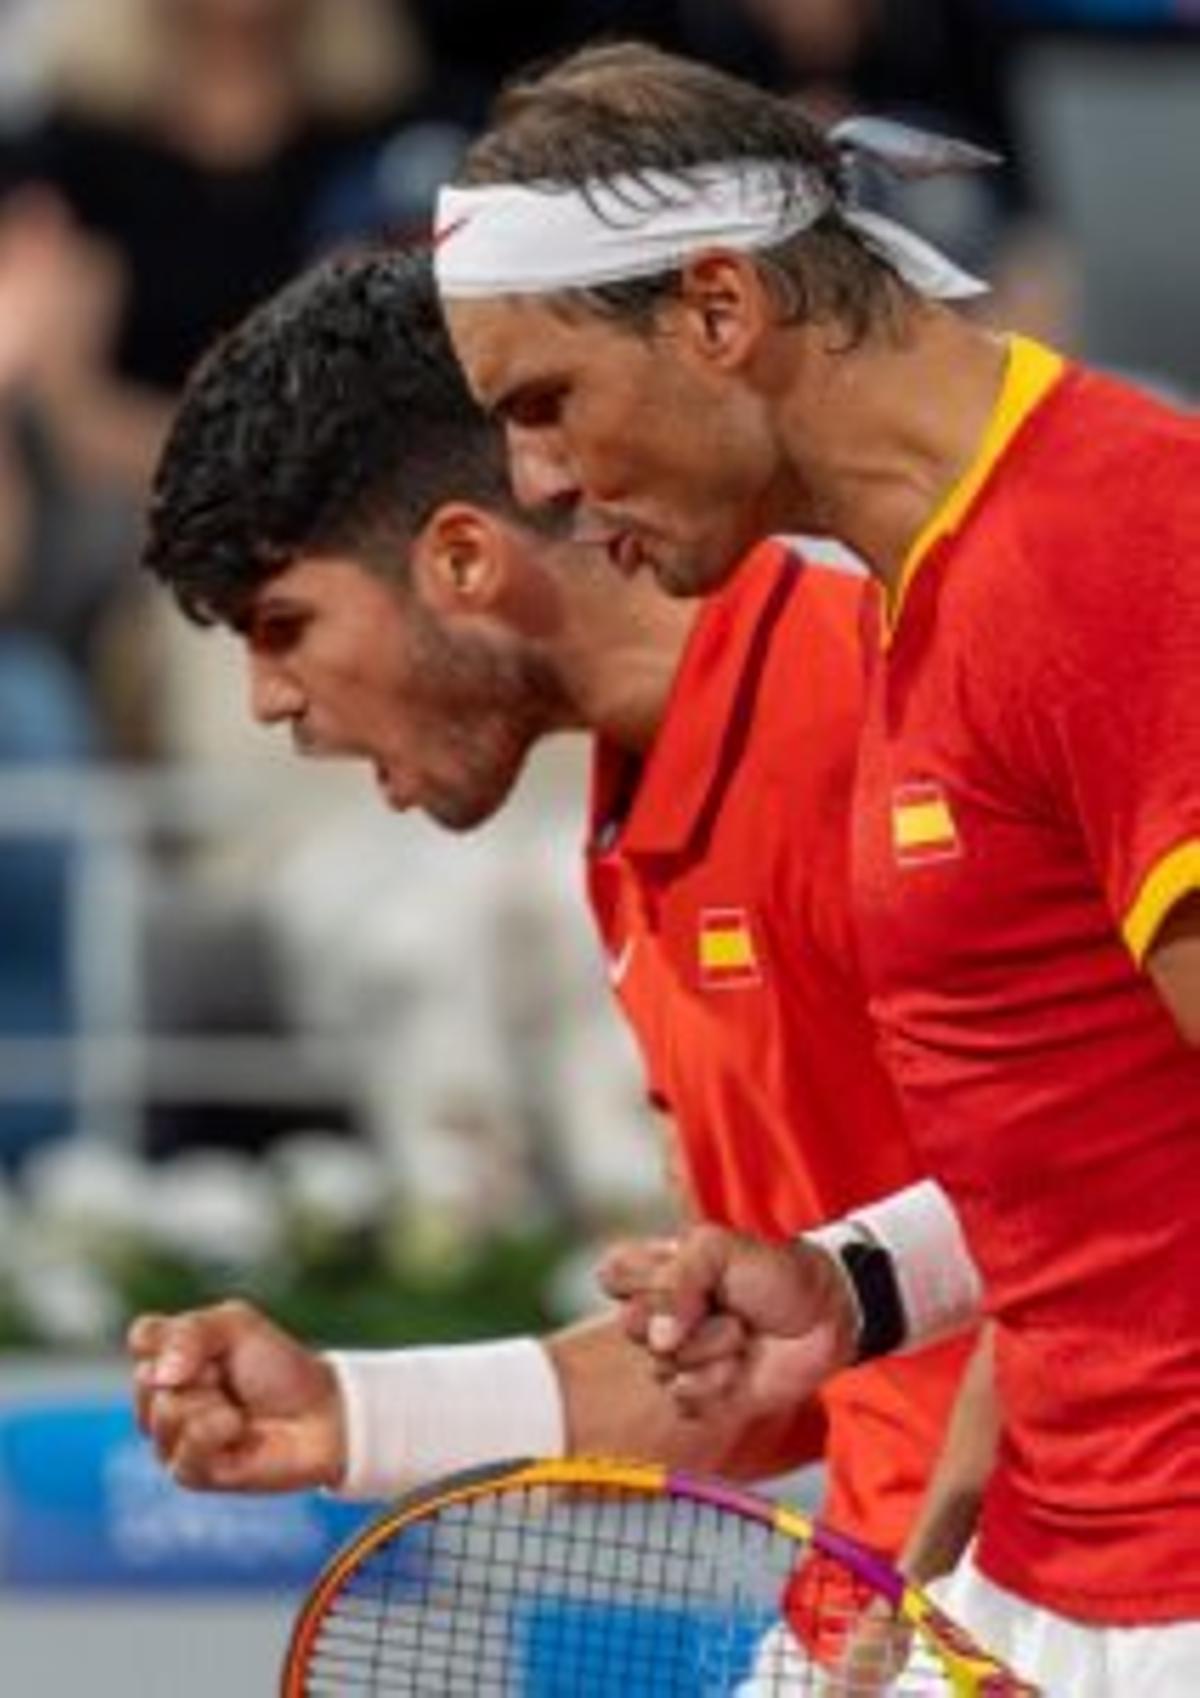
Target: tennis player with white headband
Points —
{"points": [[657, 280]]}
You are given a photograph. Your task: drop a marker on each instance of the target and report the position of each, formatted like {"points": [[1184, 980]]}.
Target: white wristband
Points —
{"points": [[939, 1282], [412, 1415]]}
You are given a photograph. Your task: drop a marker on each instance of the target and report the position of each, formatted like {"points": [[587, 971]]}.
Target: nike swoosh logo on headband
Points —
{"points": [[451, 229]]}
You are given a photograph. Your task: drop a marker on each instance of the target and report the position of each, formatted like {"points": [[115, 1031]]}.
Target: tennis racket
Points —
{"points": [[602, 1579]]}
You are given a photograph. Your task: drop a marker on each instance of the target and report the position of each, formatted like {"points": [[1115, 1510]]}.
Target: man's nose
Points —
{"points": [[274, 697], [540, 469]]}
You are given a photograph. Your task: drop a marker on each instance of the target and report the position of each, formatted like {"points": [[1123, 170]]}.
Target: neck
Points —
{"points": [[616, 648], [898, 421]]}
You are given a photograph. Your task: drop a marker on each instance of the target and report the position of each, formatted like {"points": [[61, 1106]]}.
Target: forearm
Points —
{"points": [[410, 1415], [950, 1508], [613, 1405]]}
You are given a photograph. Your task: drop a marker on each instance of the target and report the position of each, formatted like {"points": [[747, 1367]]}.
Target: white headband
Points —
{"points": [[537, 238]]}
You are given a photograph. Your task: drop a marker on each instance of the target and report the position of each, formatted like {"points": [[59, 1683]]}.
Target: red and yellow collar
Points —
{"points": [[1031, 373], [718, 673]]}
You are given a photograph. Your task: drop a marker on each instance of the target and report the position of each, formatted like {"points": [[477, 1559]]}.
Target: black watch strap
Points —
{"points": [[871, 1272]]}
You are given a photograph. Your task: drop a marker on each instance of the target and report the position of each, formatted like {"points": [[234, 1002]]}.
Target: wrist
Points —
{"points": [[410, 1416], [940, 1538], [875, 1317], [333, 1443], [837, 1298], [872, 1274], [938, 1283]]}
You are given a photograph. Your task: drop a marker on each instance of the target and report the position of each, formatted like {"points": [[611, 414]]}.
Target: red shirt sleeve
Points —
{"points": [[1117, 703]]}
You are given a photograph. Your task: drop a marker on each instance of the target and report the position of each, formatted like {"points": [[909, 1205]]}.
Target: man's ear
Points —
{"points": [[459, 559], [724, 310]]}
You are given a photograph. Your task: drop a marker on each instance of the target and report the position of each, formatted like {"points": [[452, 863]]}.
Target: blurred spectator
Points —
{"points": [[177, 173], [64, 527], [196, 139], [44, 722]]}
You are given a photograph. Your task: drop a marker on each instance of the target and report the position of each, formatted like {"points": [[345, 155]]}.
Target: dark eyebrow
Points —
{"points": [[266, 604]]}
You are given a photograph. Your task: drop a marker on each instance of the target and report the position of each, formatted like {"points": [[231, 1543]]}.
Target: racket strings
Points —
{"points": [[595, 1593]]}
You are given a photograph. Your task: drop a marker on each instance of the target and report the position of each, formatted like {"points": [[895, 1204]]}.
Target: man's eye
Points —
{"points": [[275, 634], [534, 409]]}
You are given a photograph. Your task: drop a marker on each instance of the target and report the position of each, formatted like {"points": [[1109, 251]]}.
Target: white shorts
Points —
{"points": [[1063, 1658], [1073, 1659], [783, 1669]]}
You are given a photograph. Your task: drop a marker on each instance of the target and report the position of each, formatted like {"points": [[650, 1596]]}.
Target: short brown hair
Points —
{"points": [[627, 108]]}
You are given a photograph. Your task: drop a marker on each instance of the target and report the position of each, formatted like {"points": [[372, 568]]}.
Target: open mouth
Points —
{"points": [[396, 792], [312, 748], [620, 545], [626, 554]]}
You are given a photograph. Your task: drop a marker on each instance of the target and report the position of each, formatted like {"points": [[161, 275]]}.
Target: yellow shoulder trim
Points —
{"points": [[1177, 873], [1031, 372]]}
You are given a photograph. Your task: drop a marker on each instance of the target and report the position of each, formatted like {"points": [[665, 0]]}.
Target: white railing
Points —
{"points": [[113, 1062]]}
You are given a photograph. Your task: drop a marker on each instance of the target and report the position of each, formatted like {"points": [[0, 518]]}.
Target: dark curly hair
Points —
{"points": [[333, 416]]}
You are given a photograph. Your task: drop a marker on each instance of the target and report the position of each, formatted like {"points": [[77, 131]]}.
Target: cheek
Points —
{"points": [[672, 440], [723, 460], [368, 672], [345, 705], [599, 444], [614, 426]]}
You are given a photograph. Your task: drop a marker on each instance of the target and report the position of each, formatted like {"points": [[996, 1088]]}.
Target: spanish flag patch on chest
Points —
{"points": [[727, 953], [923, 826]]}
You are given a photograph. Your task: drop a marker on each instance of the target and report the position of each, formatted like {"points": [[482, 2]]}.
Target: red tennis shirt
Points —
{"points": [[719, 878], [1028, 811]]}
